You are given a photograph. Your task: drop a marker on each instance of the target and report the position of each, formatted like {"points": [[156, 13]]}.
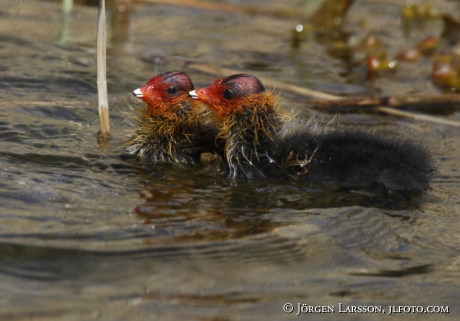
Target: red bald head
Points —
{"points": [[165, 89], [229, 95]]}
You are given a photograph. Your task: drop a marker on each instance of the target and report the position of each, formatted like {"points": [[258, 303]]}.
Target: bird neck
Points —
{"points": [[256, 120], [170, 120], [250, 130], [168, 130]]}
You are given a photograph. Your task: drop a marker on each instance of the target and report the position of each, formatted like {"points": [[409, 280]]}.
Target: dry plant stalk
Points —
{"points": [[101, 73]]}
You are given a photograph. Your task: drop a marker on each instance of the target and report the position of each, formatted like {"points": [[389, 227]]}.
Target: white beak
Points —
{"points": [[138, 93], [193, 94]]}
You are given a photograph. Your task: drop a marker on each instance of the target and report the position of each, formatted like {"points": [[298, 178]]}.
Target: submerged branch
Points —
{"points": [[101, 73], [416, 102]]}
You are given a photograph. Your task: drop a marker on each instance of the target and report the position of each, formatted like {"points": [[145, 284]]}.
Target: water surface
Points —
{"points": [[88, 233]]}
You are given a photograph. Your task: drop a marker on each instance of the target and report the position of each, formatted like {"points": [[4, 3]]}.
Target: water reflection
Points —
{"points": [[206, 207]]}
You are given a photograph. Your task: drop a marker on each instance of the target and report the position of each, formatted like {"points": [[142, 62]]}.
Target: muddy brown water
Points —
{"points": [[87, 233]]}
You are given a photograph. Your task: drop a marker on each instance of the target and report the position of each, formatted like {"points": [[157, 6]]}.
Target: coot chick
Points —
{"points": [[248, 118], [172, 127], [259, 143]]}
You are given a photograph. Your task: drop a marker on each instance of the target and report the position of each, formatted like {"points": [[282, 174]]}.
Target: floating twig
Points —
{"points": [[418, 116], [416, 102]]}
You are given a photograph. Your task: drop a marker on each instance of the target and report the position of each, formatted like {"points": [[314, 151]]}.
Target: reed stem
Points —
{"points": [[101, 73]]}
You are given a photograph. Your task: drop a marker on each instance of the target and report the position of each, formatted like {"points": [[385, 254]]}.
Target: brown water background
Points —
{"points": [[88, 234]]}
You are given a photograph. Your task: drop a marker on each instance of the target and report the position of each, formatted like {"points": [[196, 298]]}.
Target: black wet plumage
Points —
{"points": [[355, 156]]}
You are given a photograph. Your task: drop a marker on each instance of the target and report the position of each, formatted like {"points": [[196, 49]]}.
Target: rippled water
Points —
{"points": [[86, 233]]}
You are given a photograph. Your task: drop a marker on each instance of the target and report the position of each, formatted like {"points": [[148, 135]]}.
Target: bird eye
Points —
{"points": [[228, 94], [172, 90]]}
